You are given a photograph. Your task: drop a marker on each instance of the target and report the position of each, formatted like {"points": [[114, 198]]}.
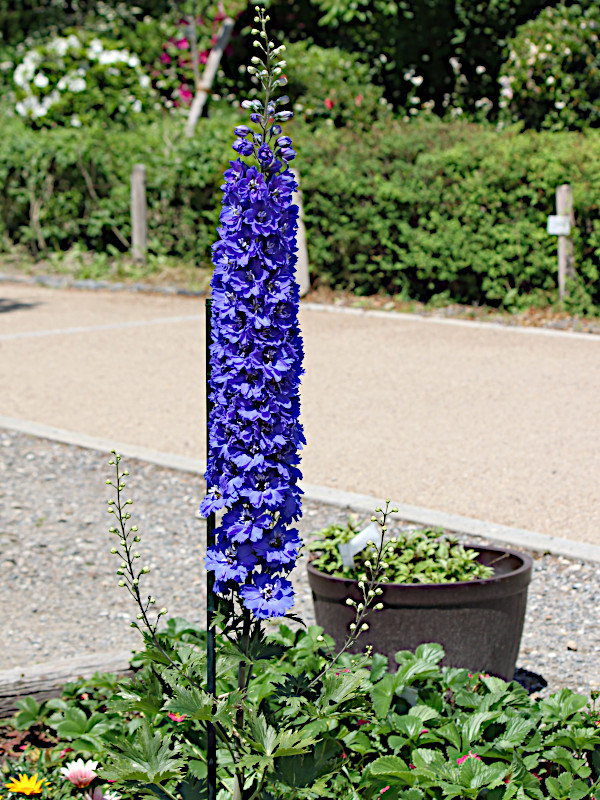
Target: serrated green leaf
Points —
{"points": [[304, 770], [148, 758]]}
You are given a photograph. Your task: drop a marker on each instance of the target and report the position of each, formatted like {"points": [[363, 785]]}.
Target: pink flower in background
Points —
{"points": [[329, 103], [185, 94], [358, 99], [182, 44], [80, 773], [385, 788], [203, 57], [470, 754], [363, 722], [176, 717], [165, 58], [100, 794], [425, 730], [64, 752]]}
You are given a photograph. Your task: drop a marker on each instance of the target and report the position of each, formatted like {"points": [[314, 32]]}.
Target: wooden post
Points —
{"points": [[302, 269], [139, 225], [208, 76], [566, 268]]}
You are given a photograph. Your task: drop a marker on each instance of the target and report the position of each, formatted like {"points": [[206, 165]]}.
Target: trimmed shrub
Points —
{"points": [[454, 212], [64, 186], [427, 210], [551, 78]]}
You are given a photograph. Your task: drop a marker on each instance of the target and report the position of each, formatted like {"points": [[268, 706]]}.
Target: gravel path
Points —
{"points": [[58, 592]]}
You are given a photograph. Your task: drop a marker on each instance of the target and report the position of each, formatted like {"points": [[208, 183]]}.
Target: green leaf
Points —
{"points": [[148, 757], [379, 666], [388, 765], [304, 770], [382, 694]]}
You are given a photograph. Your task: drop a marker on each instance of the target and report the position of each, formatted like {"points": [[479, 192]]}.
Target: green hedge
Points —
{"points": [[453, 210], [69, 186], [425, 209]]}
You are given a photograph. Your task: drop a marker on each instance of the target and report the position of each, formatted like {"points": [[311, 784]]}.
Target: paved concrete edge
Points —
{"points": [[104, 445], [64, 282], [363, 503], [409, 317]]}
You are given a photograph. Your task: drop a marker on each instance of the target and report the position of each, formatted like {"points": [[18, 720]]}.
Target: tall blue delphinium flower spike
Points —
{"points": [[256, 359]]}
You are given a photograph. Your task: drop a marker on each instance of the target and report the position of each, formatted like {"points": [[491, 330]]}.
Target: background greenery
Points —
{"points": [[426, 210], [432, 136]]}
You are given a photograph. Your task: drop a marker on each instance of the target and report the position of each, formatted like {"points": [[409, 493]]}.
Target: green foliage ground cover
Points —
{"points": [[427, 210], [422, 731]]}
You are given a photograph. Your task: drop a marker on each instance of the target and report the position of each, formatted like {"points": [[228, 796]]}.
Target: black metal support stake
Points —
{"points": [[211, 683]]}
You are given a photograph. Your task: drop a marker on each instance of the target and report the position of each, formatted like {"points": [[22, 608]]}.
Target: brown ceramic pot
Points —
{"points": [[479, 623]]}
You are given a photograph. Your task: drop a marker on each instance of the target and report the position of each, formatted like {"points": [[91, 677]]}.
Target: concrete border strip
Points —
{"points": [[170, 460], [406, 317], [5, 337], [362, 503]]}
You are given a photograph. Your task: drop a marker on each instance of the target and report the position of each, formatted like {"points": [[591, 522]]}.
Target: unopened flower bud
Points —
{"points": [[352, 627], [123, 565], [255, 60], [135, 582], [378, 591], [367, 563], [113, 550], [136, 555], [108, 482], [378, 607], [145, 570], [121, 583], [254, 31], [364, 627], [162, 611], [136, 539], [394, 510], [349, 601], [111, 462], [373, 519], [140, 616]]}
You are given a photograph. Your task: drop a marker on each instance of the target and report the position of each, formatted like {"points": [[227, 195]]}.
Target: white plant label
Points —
{"points": [[372, 533], [559, 225]]}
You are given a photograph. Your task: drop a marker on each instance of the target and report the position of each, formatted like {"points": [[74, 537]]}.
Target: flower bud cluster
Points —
{"points": [[255, 367]]}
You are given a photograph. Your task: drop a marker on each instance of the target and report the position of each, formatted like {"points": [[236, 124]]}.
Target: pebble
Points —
{"points": [[59, 597]]}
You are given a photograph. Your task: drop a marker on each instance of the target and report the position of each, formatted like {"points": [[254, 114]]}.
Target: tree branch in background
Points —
{"points": [[210, 70]]}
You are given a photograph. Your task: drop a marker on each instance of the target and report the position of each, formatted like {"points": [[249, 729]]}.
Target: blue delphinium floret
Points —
{"points": [[256, 363]]}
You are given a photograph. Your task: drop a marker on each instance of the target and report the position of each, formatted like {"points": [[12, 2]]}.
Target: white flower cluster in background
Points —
{"points": [[54, 81]]}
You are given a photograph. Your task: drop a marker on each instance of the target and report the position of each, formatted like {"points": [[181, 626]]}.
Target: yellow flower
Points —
{"points": [[25, 785]]}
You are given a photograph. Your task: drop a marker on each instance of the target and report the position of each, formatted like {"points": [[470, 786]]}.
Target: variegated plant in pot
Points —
{"points": [[431, 589]]}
